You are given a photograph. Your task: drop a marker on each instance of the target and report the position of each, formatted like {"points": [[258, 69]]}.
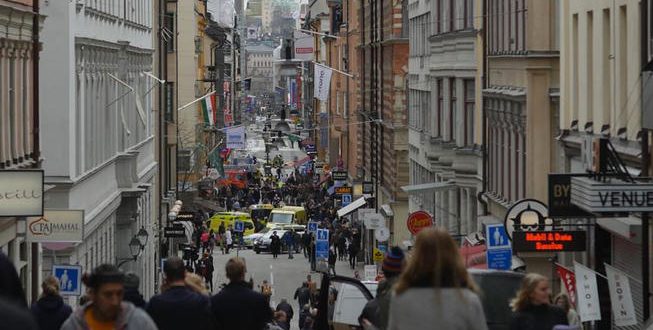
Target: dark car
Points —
{"points": [[497, 289]]}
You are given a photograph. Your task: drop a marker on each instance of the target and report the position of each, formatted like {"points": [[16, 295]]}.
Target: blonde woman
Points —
{"points": [[562, 301], [532, 308], [196, 283], [50, 311], [435, 291]]}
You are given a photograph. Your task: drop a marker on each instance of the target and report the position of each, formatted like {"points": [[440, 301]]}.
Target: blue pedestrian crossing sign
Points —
{"points": [[239, 226], [346, 199], [499, 251], [322, 244], [70, 279], [312, 227]]}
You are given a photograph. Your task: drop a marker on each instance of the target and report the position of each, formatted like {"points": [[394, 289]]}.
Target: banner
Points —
{"points": [[56, 226], [236, 137], [569, 280], [621, 299], [588, 294], [209, 110], [322, 82], [228, 115], [304, 46]]}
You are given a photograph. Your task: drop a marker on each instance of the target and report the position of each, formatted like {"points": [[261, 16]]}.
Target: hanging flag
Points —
{"points": [[208, 109], [569, 280], [224, 153], [588, 294], [322, 82], [217, 162], [621, 299]]}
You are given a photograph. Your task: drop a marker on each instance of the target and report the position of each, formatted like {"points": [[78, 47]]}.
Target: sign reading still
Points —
{"points": [[419, 220], [21, 193], [548, 241]]}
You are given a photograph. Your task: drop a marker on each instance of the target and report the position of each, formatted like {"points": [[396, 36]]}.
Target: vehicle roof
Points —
{"points": [[494, 272], [261, 206], [234, 213], [283, 211], [293, 208]]}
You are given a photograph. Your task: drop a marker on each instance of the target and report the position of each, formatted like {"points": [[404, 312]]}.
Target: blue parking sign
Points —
{"points": [[70, 279], [239, 226], [312, 227], [322, 244], [346, 199]]}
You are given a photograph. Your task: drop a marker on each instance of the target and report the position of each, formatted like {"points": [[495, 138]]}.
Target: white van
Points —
{"points": [[349, 304]]}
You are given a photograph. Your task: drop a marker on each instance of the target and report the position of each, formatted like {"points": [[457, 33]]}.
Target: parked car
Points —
{"points": [[262, 243]]}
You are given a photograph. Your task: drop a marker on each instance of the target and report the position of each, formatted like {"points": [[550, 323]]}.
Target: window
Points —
{"points": [[452, 109], [170, 96], [468, 13], [184, 160], [468, 113], [440, 107], [452, 15], [168, 32]]}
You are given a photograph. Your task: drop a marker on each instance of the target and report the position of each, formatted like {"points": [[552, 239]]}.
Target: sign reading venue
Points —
{"points": [[56, 226], [21, 193], [609, 197]]}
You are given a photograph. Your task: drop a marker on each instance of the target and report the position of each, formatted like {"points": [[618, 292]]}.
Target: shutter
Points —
{"points": [[627, 257]]}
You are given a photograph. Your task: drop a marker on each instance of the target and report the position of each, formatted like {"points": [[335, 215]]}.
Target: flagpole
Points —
{"points": [[332, 69], [195, 101]]}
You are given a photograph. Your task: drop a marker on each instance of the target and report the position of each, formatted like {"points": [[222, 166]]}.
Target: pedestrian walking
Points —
{"points": [[131, 290], [207, 270], [236, 306], [50, 312], [289, 240], [332, 260], [285, 307], [106, 310], [532, 308], [303, 295], [353, 253], [376, 311], [435, 291], [228, 239], [312, 256], [306, 244], [266, 290], [342, 246], [179, 306], [562, 301], [275, 244]]}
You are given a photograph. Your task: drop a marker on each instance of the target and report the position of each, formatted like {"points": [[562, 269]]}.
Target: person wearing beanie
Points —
{"points": [[376, 310], [131, 290]]}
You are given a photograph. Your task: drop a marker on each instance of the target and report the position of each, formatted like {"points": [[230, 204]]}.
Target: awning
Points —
{"points": [[351, 207], [426, 187]]}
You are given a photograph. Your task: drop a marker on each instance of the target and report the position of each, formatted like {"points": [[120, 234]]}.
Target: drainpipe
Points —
{"points": [[36, 153], [485, 79]]}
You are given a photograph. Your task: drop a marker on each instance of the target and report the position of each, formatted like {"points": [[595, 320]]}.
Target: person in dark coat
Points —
{"points": [[353, 253], [15, 315], [286, 308], [179, 307], [11, 288], [532, 308], [303, 295], [131, 290], [275, 244], [50, 312], [332, 260], [237, 306]]}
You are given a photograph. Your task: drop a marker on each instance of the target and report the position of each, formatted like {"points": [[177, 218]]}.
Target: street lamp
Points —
{"points": [[135, 247], [142, 236]]}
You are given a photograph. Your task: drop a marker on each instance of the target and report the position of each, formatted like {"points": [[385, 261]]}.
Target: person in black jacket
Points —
{"points": [[532, 308], [303, 295], [332, 260], [237, 306], [50, 312], [131, 290], [275, 244], [286, 308], [179, 307]]}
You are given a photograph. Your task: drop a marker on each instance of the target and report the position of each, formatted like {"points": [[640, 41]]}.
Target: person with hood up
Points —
{"points": [[50, 312], [131, 290], [107, 310], [179, 307]]}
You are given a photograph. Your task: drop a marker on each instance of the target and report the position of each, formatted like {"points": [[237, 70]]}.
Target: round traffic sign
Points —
{"points": [[419, 220], [382, 234]]}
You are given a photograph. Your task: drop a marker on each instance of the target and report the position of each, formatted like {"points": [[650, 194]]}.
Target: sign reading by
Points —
{"points": [[560, 204], [344, 190], [56, 226], [21, 193], [174, 231], [70, 279], [609, 197], [339, 175], [549, 241], [419, 220]]}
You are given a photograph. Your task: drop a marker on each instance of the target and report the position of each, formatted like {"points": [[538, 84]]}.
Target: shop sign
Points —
{"points": [[610, 197], [339, 175], [21, 193], [560, 204], [419, 220], [56, 226], [344, 190], [185, 216], [174, 231], [528, 215], [549, 241]]}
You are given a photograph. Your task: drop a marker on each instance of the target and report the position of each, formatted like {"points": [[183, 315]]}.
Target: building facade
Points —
{"points": [[259, 67], [520, 105], [444, 86], [19, 136], [600, 96], [99, 144]]}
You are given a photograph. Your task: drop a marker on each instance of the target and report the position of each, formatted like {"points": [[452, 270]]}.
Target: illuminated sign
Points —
{"points": [[549, 241], [344, 190]]}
